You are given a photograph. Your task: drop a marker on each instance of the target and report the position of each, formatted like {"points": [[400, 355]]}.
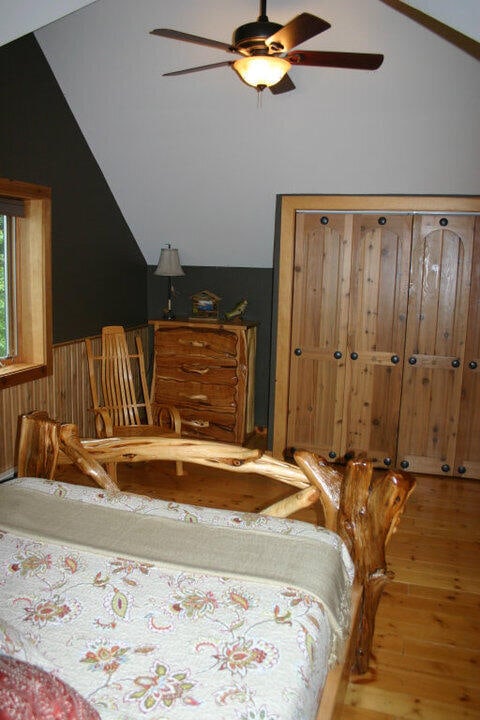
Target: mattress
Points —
{"points": [[142, 635]]}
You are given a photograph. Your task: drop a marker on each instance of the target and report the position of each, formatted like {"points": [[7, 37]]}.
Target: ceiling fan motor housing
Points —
{"points": [[250, 39]]}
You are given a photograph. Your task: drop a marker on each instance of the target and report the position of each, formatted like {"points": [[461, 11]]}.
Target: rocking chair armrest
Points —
{"points": [[168, 417], [103, 422]]}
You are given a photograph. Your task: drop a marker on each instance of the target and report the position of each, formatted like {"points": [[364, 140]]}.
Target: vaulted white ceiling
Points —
{"points": [[193, 161], [27, 15], [20, 17], [462, 15]]}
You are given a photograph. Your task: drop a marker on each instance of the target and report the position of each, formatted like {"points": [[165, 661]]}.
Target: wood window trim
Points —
{"points": [[34, 287]]}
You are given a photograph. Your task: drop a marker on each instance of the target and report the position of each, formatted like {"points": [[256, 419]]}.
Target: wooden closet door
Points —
{"points": [[467, 461], [376, 334], [319, 332], [435, 345]]}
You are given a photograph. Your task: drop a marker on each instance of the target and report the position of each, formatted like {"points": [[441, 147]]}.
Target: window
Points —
{"points": [[25, 292], [7, 287]]}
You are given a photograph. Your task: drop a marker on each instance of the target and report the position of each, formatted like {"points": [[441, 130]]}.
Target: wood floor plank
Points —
{"points": [[454, 599], [460, 665], [435, 576], [405, 705], [350, 712]]}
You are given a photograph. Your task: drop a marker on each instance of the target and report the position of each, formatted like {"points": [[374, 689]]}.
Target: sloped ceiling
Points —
{"points": [[28, 15], [462, 15], [194, 161], [23, 16]]}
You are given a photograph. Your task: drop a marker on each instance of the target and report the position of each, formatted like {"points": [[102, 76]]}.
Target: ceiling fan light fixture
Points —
{"points": [[262, 71]]}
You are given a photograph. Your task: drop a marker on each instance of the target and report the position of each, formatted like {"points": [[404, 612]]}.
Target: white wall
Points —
{"points": [[193, 161]]}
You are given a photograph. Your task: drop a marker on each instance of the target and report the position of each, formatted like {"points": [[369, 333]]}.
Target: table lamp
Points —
{"points": [[169, 266]]}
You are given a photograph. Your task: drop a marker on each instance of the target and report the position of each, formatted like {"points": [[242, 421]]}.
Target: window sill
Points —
{"points": [[18, 373]]}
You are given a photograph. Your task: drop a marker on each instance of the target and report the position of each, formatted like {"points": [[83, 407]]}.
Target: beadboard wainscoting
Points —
{"points": [[65, 394]]}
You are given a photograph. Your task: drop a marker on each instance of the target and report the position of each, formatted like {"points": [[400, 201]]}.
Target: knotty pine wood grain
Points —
{"points": [[64, 395], [426, 662]]}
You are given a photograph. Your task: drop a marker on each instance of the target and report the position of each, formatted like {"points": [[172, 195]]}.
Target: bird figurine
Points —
{"points": [[237, 311]]}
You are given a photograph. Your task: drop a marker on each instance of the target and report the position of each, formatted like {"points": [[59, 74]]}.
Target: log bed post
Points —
{"points": [[363, 508], [365, 511], [37, 445]]}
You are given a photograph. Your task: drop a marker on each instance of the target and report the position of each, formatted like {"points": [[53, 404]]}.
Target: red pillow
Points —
{"points": [[29, 693]]}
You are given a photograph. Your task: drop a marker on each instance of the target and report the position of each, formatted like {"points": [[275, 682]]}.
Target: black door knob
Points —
{"points": [[462, 469], [387, 461], [445, 468], [412, 360], [395, 359], [298, 351], [472, 365], [456, 363], [337, 354], [332, 455], [354, 356], [404, 464]]}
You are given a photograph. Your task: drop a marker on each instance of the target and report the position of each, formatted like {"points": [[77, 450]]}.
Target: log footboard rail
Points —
{"points": [[363, 507]]}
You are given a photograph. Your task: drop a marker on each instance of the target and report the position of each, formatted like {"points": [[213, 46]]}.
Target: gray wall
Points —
{"points": [[98, 270], [99, 274]]}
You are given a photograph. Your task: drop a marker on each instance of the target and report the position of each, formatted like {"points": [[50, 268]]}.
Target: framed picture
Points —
{"points": [[205, 306]]}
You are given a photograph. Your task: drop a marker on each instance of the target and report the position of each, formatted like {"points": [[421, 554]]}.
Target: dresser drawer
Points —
{"points": [[187, 370], [209, 425], [211, 345], [196, 394]]}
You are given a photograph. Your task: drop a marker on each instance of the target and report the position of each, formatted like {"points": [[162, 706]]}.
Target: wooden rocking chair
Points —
{"points": [[120, 395]]}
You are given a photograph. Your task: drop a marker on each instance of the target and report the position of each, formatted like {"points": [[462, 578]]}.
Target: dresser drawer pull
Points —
{"points": [[195, 371], [193, 343], [196, 423]]}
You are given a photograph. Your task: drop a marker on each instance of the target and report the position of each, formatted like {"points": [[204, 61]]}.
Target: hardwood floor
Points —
{"points": [[427, 639], [427, 642]]}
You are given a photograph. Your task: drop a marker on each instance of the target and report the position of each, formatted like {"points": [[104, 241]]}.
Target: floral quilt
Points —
{"points": [[139, 640]]}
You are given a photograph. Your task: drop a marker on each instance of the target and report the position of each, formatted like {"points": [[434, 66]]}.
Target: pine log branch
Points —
{"points": [[293, 503], [38, 445], [326, 479], [74, 450], [369, 513]]}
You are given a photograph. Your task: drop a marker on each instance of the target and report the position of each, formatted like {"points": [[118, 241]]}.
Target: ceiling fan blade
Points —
{"points": [[283, 86], [177, 35], [355, 61], [301, 28], [198, 68]]}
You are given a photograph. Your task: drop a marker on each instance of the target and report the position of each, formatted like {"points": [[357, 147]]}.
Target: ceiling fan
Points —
{"points": [[268, 51]]}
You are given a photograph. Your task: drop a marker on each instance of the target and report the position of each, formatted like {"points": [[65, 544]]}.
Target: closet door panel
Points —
{"points": [[319, 327], [376, 334], [435, 344], [467, 461]]}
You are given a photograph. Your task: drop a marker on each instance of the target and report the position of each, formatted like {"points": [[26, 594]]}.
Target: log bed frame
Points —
{"points": [[362, 507]]}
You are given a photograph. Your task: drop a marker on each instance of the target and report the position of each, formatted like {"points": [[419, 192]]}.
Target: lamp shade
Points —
{"points": [[261, 70], [169, 263]]}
